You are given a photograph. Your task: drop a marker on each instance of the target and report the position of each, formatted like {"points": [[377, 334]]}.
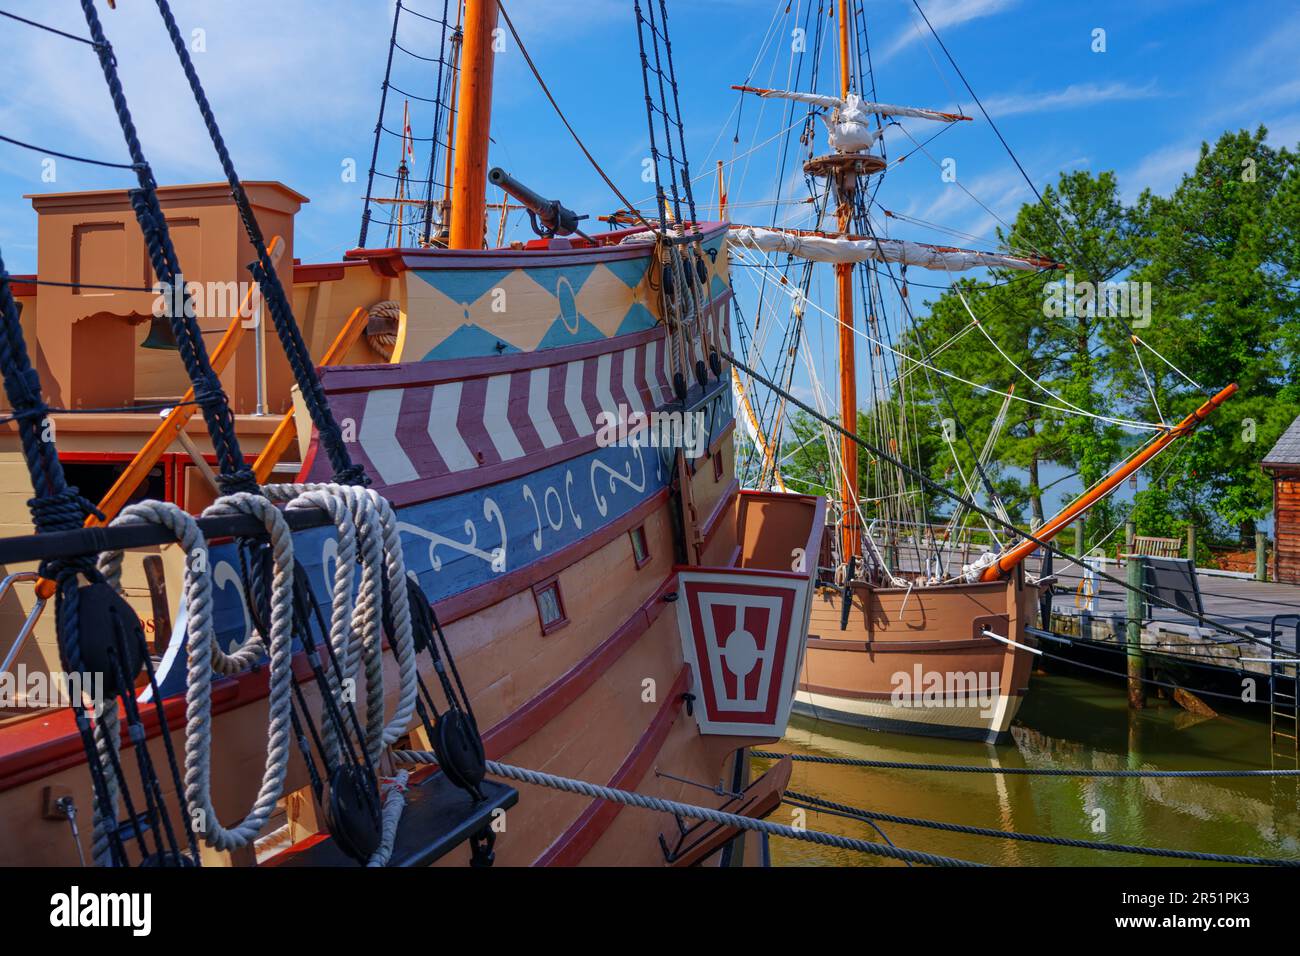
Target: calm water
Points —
{"points": [[1065, 722]]}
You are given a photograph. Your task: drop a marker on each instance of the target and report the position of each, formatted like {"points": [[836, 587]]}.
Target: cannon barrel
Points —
{"points": [[549, 213]]}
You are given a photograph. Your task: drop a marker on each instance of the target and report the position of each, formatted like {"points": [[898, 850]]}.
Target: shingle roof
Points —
{"points": [[1287, 449]]}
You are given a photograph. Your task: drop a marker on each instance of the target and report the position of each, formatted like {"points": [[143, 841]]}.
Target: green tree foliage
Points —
{"points": [[1221, 255]]}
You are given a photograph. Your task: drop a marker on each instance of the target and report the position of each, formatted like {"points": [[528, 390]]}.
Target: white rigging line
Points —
{"points": [[1196, 385], [1126, 423], [1146, 379], [1007, 358]]}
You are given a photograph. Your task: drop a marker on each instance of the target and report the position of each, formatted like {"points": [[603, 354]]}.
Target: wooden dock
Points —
{"points": [[1237, 602]]}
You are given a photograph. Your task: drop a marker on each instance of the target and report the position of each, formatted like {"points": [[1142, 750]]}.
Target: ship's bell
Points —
{"points": [[160, 334]]}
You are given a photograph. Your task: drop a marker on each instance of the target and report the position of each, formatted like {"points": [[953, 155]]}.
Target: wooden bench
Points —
{"points": [[1150, 547]]}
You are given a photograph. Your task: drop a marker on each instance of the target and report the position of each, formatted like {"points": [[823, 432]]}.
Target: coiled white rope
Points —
{"points": [[379, 545], [204, 657], [201, 637], [365, 527]]}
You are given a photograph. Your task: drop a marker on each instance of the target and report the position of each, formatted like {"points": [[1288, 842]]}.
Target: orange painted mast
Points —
{"points": [[473, 124], [1008, 561], [850, 529]]}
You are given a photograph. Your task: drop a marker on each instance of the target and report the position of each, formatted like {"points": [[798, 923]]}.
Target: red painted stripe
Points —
{"points": [[648, 398], [547, 705], [583, 834], [616, 388], [363, 378], [517, 412], [469, 422], [590, 377], [414, 433], [555, 403], [391, 262]]}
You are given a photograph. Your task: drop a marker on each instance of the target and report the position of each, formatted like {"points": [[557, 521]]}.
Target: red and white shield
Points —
{"points": [[743, 634]]}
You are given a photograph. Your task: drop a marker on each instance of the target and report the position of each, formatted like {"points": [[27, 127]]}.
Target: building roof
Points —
{"points": [[1286, 452]]}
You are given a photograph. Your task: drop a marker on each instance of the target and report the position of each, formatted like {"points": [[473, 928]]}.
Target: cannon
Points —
{"points": [[549, 216]]}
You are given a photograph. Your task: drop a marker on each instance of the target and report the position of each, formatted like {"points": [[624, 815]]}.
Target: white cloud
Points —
{"points": [[1074, 96], [944, 13]]}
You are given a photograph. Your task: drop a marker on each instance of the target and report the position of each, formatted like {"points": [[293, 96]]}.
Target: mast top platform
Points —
{"points": [[839, 165]]}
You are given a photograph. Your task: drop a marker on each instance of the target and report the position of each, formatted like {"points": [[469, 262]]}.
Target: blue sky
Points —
{"points": [[295, 84]]}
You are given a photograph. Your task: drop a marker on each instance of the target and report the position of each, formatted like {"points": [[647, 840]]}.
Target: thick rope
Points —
{"points": [[235, 475], [380, 548], [870, 816], [201, 636], [394, 801], [263, 270], [641, 801], [1018, 771]]}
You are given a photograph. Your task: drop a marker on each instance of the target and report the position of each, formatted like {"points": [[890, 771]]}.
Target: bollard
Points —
{"points": [[1261, 556], [1133, 635]]}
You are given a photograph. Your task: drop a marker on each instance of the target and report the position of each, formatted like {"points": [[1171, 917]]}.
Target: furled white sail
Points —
{"points": [[829, 249], [849, 117]]}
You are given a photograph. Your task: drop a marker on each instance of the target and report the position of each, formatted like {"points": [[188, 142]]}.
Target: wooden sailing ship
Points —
{"points": [[591, 595], [900, 639]]}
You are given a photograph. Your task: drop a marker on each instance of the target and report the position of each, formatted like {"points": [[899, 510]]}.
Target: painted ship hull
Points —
{"points": [[917, 661], [486, 442]]}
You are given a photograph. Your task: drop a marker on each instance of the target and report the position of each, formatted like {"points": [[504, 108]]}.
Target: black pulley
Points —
{"points": [[351, 806], [107, 621], [669, 289], [715, 362], [701, 270], [460, 751], [701, 373], [679, 386]]}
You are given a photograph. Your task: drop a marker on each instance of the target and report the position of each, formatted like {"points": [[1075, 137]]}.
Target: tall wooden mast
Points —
{"points": [[473, 124], [850, 529]]}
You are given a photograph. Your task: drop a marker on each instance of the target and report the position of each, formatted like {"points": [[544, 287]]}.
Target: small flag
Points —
{"points": [[408, 138]]}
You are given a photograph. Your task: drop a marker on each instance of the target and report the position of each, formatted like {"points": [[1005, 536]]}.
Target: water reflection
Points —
{"points": [[1065, 722]]}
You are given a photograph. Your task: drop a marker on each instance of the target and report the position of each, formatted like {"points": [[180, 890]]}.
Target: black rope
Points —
{"points": [[374, 154], [235, 475], [263, 270], [76, 159], [973, 507], [46, 28], [41, 414], [870, 816], [1020, 771]]}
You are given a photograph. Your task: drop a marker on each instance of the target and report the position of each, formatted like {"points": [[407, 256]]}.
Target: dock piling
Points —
{"points": [[1261, 556], [1133, 634]]}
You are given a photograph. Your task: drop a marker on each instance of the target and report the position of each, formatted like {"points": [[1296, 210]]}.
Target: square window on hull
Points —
{"points": [[550, 606]]}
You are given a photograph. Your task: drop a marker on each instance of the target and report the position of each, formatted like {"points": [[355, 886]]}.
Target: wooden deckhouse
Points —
{"points": [[1282, 464]]}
